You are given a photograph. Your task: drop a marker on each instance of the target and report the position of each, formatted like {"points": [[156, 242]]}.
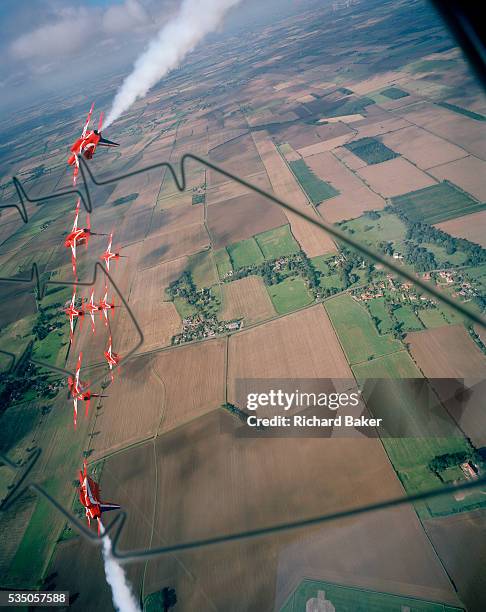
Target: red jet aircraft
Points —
{"points": [[75, 387], [89, 496], [112, 358], [108, 255], [73, 312], [87, 143], [91, 308], [78, 235], [104, 306]]}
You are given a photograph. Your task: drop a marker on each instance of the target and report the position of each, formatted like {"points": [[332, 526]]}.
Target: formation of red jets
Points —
{"points": [[79, 308]]}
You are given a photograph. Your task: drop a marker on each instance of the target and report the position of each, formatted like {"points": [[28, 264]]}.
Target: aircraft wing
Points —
{"points": [[106, 506], [104, 142], [88, 119]]}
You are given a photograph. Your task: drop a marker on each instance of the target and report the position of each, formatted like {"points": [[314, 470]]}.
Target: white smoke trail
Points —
{"points": [[179, 36], [123, 598]]}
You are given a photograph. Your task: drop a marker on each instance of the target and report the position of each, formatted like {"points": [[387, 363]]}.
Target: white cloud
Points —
{"points": [[72, 29], [124, 17], [63, 37]]}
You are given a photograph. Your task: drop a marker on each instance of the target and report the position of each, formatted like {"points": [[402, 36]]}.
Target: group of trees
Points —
{"points": [[45, 323], [202, 300], [447, 460], [420, 232], [419, 257], [296, 264]]}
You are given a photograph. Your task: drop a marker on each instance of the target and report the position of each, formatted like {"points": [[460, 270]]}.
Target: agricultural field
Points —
{"points": [[202, 269], [395, 177], [471, 227], [394, 93], [247, 299], [377, 308], [290, 294], [432, 317], [449, 352], [348, 598], [356, 331], [317, 190], [223, 262], [467, 173], [166, 247], [417, 431], [354, 196], [388, 227], [370, 150], [463, 131], [395, 365], [437, 203], [407, 318], [300, 345], [277, 242], [238, 156], [284, 470], [313, 240], [463, 111], [245, 253], [241, 217], [458, 541], [421, 147]]}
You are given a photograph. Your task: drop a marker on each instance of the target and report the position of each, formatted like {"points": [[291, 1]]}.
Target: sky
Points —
{"points": [[57, 45]]}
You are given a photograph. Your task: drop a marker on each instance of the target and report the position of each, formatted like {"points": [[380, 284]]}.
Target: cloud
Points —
{"points": [[63, 37], [123, 17], [72, 29]]}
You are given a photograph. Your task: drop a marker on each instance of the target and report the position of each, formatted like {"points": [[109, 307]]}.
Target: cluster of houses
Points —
{"points": [[463, 287], [280, 263], [197, 328], [403, 292]]}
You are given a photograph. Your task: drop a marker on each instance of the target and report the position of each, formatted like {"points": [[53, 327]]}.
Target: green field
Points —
{"points": [[416, 430], [321, 263], [202, 269], [387, 228], [53, 348], [409, 320], [441, 256], [462, 111], [394, 93], [333, 281], [45, 526], [277, 242], [437, 203], [356, 331], [432, 317], [223, 262], [125, 199], [245, 253], [290, 294], [377, 308], [351, 599], [16, 424], [370, 150], [351, 106], [396, 365], [317, 190]]}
